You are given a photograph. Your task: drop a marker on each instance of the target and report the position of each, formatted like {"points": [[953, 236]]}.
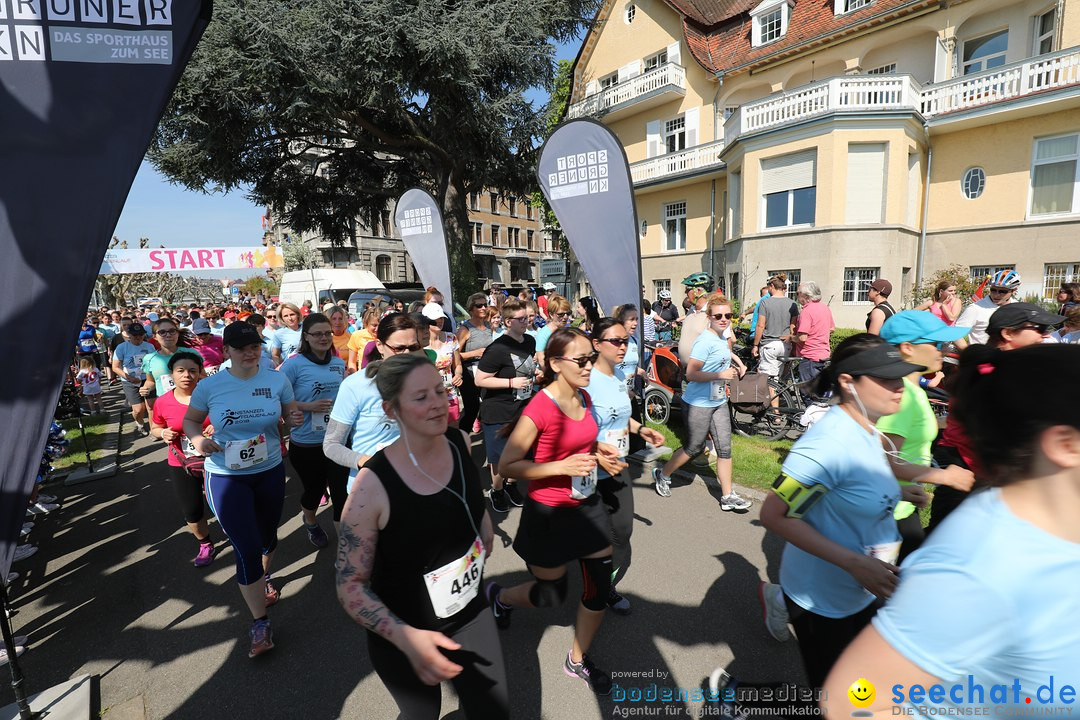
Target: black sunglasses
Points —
{"points": [[1000, 291], [617, 342], [581, 361], [477, 306], [562, 314], [722, 316], [1041, 329], [403, 348]]}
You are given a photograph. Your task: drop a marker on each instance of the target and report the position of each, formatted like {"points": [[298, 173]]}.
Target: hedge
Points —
{"points": [[841, 334]]}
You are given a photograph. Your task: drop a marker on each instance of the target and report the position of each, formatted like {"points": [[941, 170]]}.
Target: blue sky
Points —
{"points": [[173, 216]]}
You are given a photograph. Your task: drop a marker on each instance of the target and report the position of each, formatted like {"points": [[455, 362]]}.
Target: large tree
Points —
{"points": [[326, 109]]}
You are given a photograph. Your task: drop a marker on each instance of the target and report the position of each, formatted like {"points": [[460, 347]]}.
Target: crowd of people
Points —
{"points": [[377, 416]]}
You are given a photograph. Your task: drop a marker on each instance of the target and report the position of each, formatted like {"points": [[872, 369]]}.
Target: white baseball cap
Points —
{"points": [[433, 311], [549, 286]]}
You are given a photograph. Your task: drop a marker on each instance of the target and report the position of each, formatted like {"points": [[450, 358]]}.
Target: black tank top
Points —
{"points": [[885, 308], [424, 533]]}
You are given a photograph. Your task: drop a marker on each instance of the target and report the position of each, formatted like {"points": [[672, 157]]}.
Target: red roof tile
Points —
{"points": [[712, 12]]}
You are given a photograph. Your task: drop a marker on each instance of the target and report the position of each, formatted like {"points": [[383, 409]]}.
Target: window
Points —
{"points": [[386, 227], [973, 183], [1054, 179], [474, 201], [735, 293], [530, 239], [609, 80], [494, 203], [846, 6], [857, 284], [675, 134], [659, 285], [794, 277], [1056, 275], [528, 210], [978, 273], [889, 69], [513, 236], [675, 226], [771, 26], [985, 52], [769, 21], [513, 206], [477, 234], [630, 13], [789, 189], [866, 183], [1044, 32], [382, 268], [494, 235], [654, 61]]}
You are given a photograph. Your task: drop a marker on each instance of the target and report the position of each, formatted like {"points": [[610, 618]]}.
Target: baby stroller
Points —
{"points": [[663, 382]]}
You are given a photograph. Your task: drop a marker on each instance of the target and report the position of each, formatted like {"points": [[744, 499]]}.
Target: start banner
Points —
{"points": [[118, 262]]}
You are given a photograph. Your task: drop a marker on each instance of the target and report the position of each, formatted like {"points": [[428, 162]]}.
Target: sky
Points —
{"points": [[176, 217]]}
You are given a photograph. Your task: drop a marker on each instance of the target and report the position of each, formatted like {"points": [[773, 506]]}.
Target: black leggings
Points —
{"points": [[318, 474], [822, 639], [481, 685], [189, 493], [470, 401], [946, 499], [617, 494], [912, 534]]}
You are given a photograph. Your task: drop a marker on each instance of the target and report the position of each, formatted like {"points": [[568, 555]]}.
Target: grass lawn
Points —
{"points": [[95, 438]]}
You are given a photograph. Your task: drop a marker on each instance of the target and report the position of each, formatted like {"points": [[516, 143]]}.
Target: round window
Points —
{"points": [[973, 183], [631, 11]]}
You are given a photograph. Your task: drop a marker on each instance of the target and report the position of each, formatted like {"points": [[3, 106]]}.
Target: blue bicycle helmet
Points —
{"points": [[1009, 279]]}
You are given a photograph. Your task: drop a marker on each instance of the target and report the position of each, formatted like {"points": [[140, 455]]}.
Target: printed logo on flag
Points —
{"points": [[415, 222], [584, 173]]}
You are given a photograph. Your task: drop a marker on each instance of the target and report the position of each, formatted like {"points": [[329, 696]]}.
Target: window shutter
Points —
{"points": [[789, 172], [629, 70], [865, 183], [652, 138], [673, 55], [692, 127], [941, 61], [591, 88]]}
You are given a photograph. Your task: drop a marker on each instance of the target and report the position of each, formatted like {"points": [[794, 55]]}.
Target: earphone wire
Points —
{"points": [[895, 452], [461, 471]]}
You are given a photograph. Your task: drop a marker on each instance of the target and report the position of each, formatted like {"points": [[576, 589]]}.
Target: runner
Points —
{"points": [[564, 519], [447, 357], [558, 317], [990, 602], [414, 538], [359, 340], [710, 363], [127, 364], [245, 475], [167, 425], [316, 373], [473, 336], [358, 411], [506, 373], [211, 347], [286, 338], [611, 410], [155, 366], [339, 325]]}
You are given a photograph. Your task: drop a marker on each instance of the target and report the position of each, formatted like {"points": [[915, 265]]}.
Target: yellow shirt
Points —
{"points": [[341, 344], [359, 341]]}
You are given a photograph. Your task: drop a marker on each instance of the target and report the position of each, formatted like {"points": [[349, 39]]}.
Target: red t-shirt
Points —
{"points": [[169, 411], [559, 438], [541, 302], [956, 437], [212, 350], [816, 321]]}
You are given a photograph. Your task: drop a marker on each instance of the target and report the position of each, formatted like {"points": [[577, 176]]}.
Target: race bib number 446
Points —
{"points": [[455, 584]]}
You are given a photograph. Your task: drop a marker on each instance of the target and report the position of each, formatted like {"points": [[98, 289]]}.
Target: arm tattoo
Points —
{"points": [[355, 560]]}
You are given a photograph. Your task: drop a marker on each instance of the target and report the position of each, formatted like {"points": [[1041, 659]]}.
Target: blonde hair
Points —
{"points": [[557, 303], [86, 363], [716, 298]]}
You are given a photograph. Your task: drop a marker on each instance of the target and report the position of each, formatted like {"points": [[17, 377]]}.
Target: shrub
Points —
{"points": [[841, 334], [955, 274]]}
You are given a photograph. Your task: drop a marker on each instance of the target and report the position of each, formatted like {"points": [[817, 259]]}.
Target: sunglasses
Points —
{"points": [[271, 316], [477, 306], [581, 362], [516, 319], [167, 333], [1000, 291], [1041, 329], [398, 349], [722, 316], [617, 342], [562, 314]]}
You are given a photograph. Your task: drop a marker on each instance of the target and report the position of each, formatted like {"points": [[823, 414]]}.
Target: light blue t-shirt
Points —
{"points": [[286, 340], [855, 511], [312, 381], [156, 366], [265, 363], [992, 596], [131, 357], [359, 405], [241, 410], [714, 353], [610, 408], [542, 337], [627, 369]]}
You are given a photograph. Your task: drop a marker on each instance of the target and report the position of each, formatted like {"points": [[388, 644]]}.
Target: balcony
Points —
{"points": [[654, 87], [517, 252], [551, 255], [479, 249], [684, 162]]}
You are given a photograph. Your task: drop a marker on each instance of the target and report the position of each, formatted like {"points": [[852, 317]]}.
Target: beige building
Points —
{"points": [[845, 140]]}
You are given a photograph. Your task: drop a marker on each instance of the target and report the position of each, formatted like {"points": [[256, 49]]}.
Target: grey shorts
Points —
{"points": [[131, 393]]}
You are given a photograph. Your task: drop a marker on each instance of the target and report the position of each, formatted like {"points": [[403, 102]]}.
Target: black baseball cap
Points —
{"points": [[241, 334], [882, 361], [136, 329], [1016, 314]]}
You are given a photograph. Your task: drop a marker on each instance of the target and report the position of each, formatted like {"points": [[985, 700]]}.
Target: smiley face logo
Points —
{"points": [[861, 693]]}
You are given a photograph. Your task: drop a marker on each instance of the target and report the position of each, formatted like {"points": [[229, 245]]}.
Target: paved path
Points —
{"points": [[113, 593]]}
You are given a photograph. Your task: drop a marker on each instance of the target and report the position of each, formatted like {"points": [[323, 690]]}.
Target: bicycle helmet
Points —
{"points": [[1009, 279], [699, 279], [665, 294]]}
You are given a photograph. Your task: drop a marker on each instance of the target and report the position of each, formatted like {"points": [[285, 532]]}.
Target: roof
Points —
{"points": [[711, 12]]}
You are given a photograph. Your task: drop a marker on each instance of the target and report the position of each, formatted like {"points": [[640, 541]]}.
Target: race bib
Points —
{"points": [[630, 384], [167, 383], [242, 454], [620, 439], [717, 390], [455, 584], [187, 447], [524, 393], [886, 552], [583, 486], [319, 421]]}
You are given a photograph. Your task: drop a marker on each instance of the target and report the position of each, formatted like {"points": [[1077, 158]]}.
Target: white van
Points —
{"points": [[325, 285]]}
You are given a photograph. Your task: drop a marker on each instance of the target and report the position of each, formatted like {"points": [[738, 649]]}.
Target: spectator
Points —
{"points": [[812, 331], [776, 324], [879, 293], [944, 303]]}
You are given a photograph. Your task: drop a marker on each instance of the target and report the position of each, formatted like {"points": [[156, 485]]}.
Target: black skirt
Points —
{"points": [[550, 537]]}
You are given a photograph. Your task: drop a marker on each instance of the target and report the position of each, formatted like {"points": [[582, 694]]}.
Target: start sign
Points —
{"points": [[180, 259]]}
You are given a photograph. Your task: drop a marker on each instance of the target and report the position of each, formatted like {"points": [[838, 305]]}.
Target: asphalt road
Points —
{"points": [[112, 592]]}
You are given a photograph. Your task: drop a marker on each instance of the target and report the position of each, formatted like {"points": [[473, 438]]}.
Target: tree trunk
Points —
{"points": [[463, 276]]}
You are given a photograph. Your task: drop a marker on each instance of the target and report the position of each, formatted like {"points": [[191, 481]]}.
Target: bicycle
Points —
{"points": [[773, 422]]}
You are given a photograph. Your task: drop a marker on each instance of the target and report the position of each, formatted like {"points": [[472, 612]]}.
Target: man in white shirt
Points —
{"points": [[1002, 291]]}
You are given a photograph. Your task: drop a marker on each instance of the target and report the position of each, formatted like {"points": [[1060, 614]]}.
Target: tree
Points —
{"points": [[956, 274], [553, 115], [300, 256], [327, 109], [259, 283]]}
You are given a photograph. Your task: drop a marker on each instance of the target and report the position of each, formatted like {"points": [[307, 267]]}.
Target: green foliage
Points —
{"points": [[1036, 299], [255, 283], [326, 109], [956, 274], [841, 334], [300, 256]]}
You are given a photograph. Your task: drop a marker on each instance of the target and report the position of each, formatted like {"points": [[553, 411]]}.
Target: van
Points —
{"points": [[325, 285]]}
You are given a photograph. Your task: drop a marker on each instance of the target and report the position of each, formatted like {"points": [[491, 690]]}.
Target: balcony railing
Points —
{"points": [[517, 252], [667, 75], [700, 157]]}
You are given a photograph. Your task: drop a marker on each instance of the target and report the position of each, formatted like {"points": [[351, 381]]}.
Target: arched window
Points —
{"points": [[382, 268]]}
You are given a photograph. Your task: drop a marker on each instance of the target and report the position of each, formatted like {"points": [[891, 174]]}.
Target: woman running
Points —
{"points": [[709, 365], [473, 336], [589, 313], [558, 317], [554, 447], [339, 325], [316, 373], [358, 411], [447, 357], [986, 609], [156, 365], [611, 410], [833, 503], [245, 475], [287, 338], [167, 424], [414, 539]]}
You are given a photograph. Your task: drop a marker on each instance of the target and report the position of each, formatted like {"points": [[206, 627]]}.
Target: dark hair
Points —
{"points": [[1022, 380], [392, 323], [622, 313], [305, 327], [941, 287], [603, 326], [391, 374], [184, 338], [255, 319], [177, 357], [592, 314], [1073, 289], [826, 381], [556, 346]]}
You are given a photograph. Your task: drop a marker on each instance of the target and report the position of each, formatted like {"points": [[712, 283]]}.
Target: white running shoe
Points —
{"points": [[774, 611], [24, 551], [735, 502]]}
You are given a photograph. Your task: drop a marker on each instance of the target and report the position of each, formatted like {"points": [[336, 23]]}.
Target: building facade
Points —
{"points": [[843, 141]]}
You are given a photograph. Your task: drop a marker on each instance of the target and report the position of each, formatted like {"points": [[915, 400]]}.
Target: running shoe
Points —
{"points": [[19, 650], [41, 508], [206, 554], [513, 494], [23, 532], [663, 484], [272, 594], [24, 551], [597, 680], [735, 502], [43, 498], [618, 604], [317, 536], [499, 502], [262, 638], [12, 576], [324, 501], [774, 610], [500, 611]]}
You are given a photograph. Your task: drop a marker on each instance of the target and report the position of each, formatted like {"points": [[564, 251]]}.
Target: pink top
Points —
{"points": [[816, 321], [212, 350], [559, 438], [169, 412], [939, 312]]}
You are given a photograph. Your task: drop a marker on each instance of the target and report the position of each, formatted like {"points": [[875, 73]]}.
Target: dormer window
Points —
{"points": [[770, 21], [846, 6]]}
